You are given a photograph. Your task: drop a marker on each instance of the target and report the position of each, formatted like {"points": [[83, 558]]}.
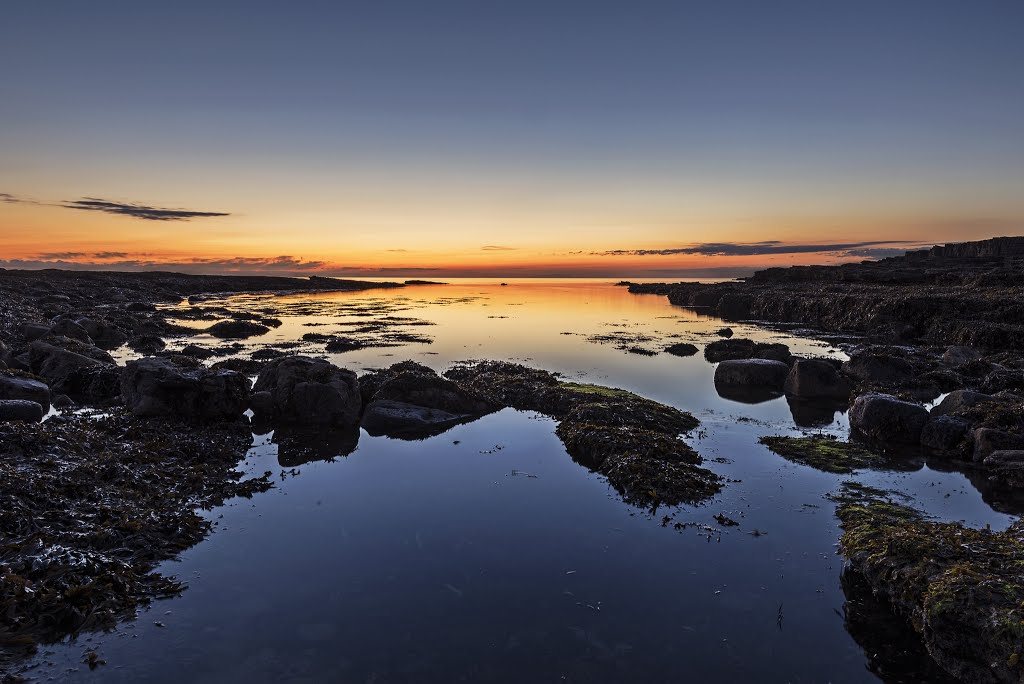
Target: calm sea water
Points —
{"points": [[440, 560]]}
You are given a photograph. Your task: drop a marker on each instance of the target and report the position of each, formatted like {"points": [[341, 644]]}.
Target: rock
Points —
{"points": [[397, 419], [310, 391], [262, 404], [958, 400], [681, 349], [267, 354], [72, 330], [20, 409], [887, 419], [197, 352], [140, 307], [62, 401], [429, 390], [878, 368], [725, 350], [92, 385], [724, 332], [958, 356], [237, 329], [147, 344], [240, 365], [816, 379], [104, 334], [989, 440], [1006, 458], [55, 364], [945, 433], [762, 373], [340, 345], [158, 387], [17, 387], [33, 331]]}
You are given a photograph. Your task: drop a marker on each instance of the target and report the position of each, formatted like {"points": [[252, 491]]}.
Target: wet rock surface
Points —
{"points": [[309, 391], [159, 387]]}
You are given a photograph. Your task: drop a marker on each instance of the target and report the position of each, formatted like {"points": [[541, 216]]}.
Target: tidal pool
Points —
{"points": [[487, 554]]}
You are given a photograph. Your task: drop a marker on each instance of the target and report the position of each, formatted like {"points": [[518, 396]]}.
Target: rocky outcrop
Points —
{"points": [[307, 391], [816, 379], [888, 420], [740, 348], [158, 387]]}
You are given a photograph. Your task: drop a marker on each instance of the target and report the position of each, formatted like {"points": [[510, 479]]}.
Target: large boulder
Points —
{"points": [[887, 419], [945, 434], [958, 356], [159, 387], [989, 440], [56, 364], [878, 368], [18, 387], [20, 409], [761, 373], [816, 379], [65, 327], [741, 348], [959, 400], [311, 391], [104, 335]]}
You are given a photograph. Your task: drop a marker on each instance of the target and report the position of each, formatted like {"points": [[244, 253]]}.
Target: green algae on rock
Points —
{"points": [[632, 441], [962, 589], [824, 452]]}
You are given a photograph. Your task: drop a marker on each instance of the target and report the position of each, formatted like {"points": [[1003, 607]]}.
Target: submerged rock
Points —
{"points": [[885, 418], [158, 387], [310, 391]]}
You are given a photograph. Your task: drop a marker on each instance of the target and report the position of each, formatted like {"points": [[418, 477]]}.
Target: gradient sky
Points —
{"points": [[505, 138]]}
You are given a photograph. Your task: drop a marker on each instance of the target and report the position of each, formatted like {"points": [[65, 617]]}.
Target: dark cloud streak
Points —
{"points": [[767, 247], [140, 211]]}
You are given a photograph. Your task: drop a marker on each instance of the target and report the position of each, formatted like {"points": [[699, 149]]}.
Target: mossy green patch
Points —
{"points": [[823, 452]]}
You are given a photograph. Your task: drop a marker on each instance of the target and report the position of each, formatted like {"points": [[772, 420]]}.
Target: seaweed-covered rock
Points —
{"points": [[878, 368], [104, 334], [824, 453], [147, 344], [988, 440], [158, 387], [58, 364], [885, 418], [959, 400], [816, 379], [310, 391], [741, 348], [959, 587], [681, 349], [237, 329], [13, 386], [20, 410], [945, 434]]}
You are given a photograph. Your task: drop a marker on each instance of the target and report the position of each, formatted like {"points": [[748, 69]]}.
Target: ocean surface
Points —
{"points": [[487, 554]]}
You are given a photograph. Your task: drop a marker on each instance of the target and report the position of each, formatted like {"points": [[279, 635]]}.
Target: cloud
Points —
{"points": [[498, 248], [752, 248], [137, 210]]}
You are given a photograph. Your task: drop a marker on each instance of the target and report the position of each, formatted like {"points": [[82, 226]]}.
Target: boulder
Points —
{"points": [[18, 387], [945, 433], [33, 331], [988, 440], [878, 368], [197, 352], [140, 307], [237, 329], [958, 400], [57, 364], [724, 332], [887, 419], [398, 419], [310, 391], [816, 379], [958, 356], [762, 373], [1006, 458], [66, 327], [741, 348], [158, 387], [20, 409], [429, 390], [147, 344], [104, 335]]}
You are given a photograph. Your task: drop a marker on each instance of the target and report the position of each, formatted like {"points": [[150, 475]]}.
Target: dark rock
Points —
{"points": [[340, 345], [271, 322], [681, 349], [104, 335], [33, 331], [62, 401], [262, 404], [371, 382], [92, 385], [988, 440], [958, 356], [18, 387], [762, 373], [239, 365], [147, 344], [267, 354], [70, 329], [20, 410], [959, 400], [945, 434], [55, 364], [310, 391], [401, 419], [887, 419], [197, 352], [157, 387], [878, 368], [816, 379], [741, 348], [724, 332], [429, 390], [237, 329], [140, 307]]}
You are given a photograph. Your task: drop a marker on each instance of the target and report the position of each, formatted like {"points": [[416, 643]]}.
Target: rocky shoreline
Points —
{"points": [[946, 322]]}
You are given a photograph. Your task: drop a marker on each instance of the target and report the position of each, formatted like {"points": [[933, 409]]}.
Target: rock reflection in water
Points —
{"points": [[298, 446]]}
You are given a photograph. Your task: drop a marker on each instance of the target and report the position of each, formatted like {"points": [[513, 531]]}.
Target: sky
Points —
{"points": [[490, 138]]}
